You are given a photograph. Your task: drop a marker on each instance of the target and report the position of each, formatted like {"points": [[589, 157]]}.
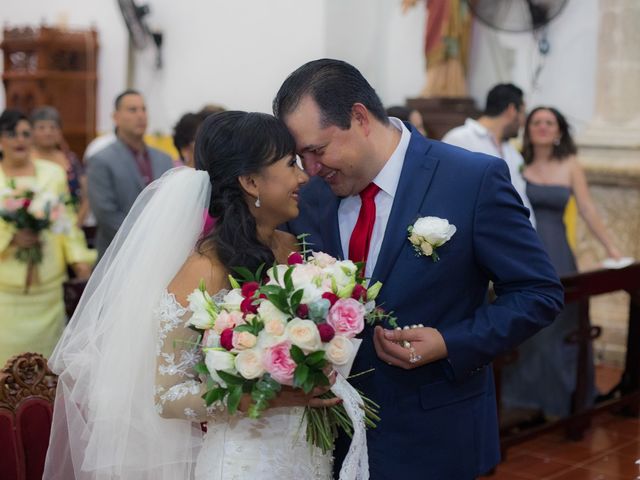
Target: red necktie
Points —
{"points": [[361, 236]]}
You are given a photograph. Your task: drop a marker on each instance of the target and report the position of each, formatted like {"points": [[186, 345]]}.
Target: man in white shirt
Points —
{"points": [[503, 117]]}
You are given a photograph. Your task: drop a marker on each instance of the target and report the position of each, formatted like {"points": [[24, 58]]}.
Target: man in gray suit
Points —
{"points": [[120, 171]]}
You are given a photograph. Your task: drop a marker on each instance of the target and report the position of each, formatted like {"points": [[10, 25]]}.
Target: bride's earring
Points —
{"points": [[257, 204]]}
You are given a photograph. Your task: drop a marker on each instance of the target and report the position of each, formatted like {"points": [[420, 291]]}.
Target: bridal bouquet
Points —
{"points": [[34, 210], [289, 329]]}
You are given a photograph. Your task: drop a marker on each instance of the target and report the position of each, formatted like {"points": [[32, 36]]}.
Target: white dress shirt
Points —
{"points": [[387, 180], [473, 136]]}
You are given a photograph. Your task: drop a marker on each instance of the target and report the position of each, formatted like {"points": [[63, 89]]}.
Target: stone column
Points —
{"points": [[609, 150]]}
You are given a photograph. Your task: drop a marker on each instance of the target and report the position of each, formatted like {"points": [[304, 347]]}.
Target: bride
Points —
{"points": [[129, 404]]}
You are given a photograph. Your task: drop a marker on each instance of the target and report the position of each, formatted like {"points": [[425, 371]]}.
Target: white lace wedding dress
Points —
{"points": [[235, 447]]}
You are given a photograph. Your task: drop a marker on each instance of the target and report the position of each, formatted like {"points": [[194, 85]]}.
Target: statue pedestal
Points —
{"points": [[441, 114]]}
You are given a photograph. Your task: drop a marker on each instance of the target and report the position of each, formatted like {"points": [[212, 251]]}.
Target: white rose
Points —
{"points": [[233, 299], [275, 326], [434, 230], [322, 259], [268, 311], [281, 269], [339, 350], [266, 340], [249, 363], [304, 274], [219, 359], [243, 340], [304, 334]]}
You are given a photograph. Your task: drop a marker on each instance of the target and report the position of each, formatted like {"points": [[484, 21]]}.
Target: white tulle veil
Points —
{"points": [[105, 425]]}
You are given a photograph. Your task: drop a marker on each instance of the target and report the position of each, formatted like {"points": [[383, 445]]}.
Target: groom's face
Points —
{"points": [[334, 154]]}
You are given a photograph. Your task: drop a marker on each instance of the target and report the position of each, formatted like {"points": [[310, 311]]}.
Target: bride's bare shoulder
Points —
{"points": [[195, 269], [287, 243]]}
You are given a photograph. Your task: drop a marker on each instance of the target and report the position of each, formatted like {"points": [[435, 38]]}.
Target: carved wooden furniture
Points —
{"points": [[441, 114], [51, 66], [623, 398], [27, 392]]}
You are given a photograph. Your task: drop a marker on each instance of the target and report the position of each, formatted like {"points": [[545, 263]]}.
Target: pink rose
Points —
{"points": [[228, 320], [279, 364], [347, 317]]}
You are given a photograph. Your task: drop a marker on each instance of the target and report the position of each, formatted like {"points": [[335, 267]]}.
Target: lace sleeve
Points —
{"points": [[178, 390]]}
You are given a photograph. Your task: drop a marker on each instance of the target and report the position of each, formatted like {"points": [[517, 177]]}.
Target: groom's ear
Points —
{"points": [[361, 117], [249, 185]]}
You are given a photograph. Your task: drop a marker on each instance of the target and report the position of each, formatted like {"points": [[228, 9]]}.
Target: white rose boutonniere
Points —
{"points": [[429, 233]]}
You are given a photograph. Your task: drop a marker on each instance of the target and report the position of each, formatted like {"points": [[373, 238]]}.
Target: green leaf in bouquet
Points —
{"points": [[271, 289], [233, 399], [201, 368], [214, 395], [297, 354], [316, 359], [233, 282], [245, 274], [300, 375], [288, 281], [305, 249], [258, 275], [296, 298], [274, 269], [230, 379], [319, 379], [308, 384]]}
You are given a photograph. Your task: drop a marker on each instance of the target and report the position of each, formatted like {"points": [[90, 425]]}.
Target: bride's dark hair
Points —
{"points": [[228, 145]]}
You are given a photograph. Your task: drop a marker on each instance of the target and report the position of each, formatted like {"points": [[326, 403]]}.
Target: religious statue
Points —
{"points": [[446, 46]]}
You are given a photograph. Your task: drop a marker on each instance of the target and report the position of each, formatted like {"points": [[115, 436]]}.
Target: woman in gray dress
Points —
{"points": [[544, 376]]}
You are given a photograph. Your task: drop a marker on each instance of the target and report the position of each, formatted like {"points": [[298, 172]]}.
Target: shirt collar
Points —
{"points": [[388, 178]]}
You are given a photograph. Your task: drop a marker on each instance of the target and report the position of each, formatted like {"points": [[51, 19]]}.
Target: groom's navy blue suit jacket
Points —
{"points": [[439, 421]]}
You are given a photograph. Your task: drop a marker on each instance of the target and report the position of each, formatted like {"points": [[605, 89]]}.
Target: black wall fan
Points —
{"points": [[139, 32]]}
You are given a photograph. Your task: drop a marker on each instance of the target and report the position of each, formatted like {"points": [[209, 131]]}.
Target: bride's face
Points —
{"points": [[279, 186]]}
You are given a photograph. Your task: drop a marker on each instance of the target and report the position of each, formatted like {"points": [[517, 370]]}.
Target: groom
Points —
{"points": [[374, 177]]}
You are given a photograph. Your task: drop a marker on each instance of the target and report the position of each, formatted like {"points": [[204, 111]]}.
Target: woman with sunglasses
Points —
{"points": [[32, 319]]}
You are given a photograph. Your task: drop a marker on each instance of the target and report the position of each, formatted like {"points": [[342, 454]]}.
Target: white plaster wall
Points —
{"points": [[567, 79], [237, 52]]}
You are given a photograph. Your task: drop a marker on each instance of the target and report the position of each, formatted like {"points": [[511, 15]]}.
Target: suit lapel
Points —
{"points": [[415, 179]]}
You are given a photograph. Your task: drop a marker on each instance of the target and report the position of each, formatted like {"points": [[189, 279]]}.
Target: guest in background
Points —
{"points": [[48, 144], [501, 121], [544, 376], [33, 321], [184, 136], [414, 117], [121, 170]]}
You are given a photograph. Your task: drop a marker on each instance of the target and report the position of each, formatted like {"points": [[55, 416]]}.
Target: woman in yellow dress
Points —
{"points": [[33, 321]]}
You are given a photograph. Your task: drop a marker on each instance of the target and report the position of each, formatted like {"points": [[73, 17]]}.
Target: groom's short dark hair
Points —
{"points": [[335, 86]]}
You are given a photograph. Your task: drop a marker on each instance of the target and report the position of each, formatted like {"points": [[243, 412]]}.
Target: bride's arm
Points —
{"points": [[178, 391]]}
